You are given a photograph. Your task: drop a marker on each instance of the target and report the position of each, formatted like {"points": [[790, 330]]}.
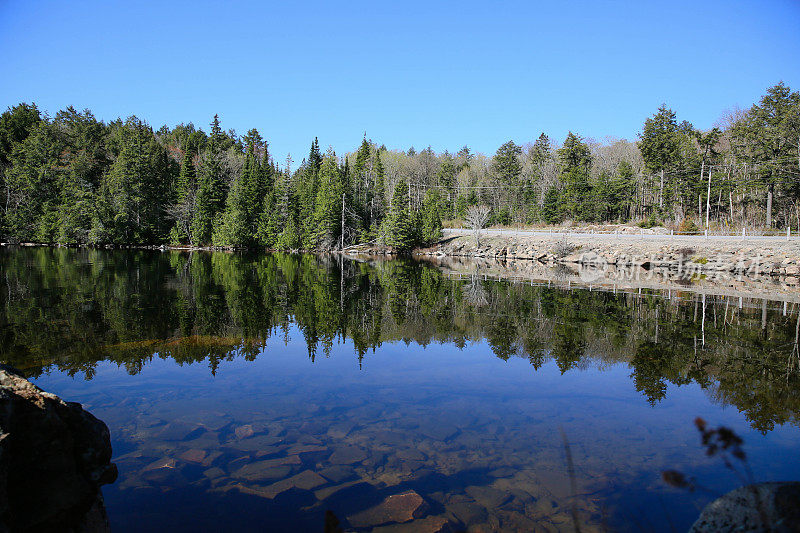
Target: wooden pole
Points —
{"points": [[708, 197]]}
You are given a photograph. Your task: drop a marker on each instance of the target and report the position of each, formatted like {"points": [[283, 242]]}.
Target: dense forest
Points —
{"points": [[74, 179], [70, 309]]}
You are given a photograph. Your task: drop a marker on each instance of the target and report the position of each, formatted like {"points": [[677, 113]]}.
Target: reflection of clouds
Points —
{"points": [[475, 293]]}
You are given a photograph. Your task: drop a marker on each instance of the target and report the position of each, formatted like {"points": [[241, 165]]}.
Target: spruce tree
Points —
{"points": [[328, 205], [401, 230], [431, 230], [212, 190], [575, 161]]}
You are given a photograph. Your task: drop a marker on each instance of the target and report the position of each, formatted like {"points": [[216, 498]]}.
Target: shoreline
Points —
{"points": [[686, 257], [734, 268]]}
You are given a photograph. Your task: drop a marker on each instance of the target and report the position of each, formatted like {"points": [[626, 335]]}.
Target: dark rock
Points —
{"points": [[193, 456], [410, 454], [438, 431], [468, 513], [54, 456], [338, 473], [487, 496], [242, 432], [269, 469], [431, 524], [760, 507], [214, 472], [347, 455], [396, 508], [306, 480], [255, 444], [175, 431]]}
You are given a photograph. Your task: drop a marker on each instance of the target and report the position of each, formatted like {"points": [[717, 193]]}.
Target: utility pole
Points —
{"points": [[342, 236], [708, 196]]}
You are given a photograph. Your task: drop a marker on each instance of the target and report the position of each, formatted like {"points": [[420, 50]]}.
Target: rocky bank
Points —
{"points": [[687, 255], [54, 456]]}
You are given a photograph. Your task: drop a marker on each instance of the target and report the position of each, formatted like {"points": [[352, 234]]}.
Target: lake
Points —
{"points": [[256, 392]]}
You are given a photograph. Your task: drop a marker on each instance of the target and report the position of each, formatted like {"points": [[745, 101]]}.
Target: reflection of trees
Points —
{"points": [[70, 309], [474, 292]]}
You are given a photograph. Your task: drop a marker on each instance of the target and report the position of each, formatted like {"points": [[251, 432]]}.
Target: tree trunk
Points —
{"points": [[342, 237], [700, 206], [661, 191], [770, 192], [708, 198]]}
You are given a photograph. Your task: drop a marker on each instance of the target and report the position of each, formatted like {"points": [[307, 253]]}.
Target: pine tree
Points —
{"points": [[308, 188], [328, 205], [183, 208], [575, 160], [431, 231], [401, 230], [268, 224], [31, 185], [233, 230], [212, 191], [83, 162], [136, 189], [551, 209], [659, 143]]}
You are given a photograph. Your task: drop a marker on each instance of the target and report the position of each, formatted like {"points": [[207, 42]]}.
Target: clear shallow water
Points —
{"points": [[258, 392]]}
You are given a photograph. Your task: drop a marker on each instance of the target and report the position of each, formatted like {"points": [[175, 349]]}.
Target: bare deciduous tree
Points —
{"points": [[477, 215]]}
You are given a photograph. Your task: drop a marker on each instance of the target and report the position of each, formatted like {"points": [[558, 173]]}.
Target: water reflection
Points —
{"points": [[68, 310], [257, 392]]}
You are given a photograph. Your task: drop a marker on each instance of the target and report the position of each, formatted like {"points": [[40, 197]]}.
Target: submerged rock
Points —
{"points": [[54, 456], [396, 508], [760, 507]]}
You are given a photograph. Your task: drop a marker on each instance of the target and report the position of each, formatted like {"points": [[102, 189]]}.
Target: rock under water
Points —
{"points": [[760, 507], [54, 456]]}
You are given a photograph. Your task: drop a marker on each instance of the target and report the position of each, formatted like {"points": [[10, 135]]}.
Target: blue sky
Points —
{"points": [[407, 73]]}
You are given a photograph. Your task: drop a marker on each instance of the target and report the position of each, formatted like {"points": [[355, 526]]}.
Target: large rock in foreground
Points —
{"points": [[54, 456], [761, 507]]}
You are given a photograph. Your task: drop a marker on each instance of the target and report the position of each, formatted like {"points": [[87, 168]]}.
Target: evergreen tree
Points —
{"points": [[328, 205], [431, 231], [309, 187], [185, 194], [31, 186], [212, 190], [506, 162], [83, 161], [575, 161], [768, 136], [659, 143], [551, 209], [401, 228]]}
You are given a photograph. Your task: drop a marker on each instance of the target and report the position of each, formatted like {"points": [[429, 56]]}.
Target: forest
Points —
{"points": [[76, 180]]}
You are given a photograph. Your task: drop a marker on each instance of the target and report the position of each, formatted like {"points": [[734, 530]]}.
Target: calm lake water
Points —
{"points": [[257, 392]]}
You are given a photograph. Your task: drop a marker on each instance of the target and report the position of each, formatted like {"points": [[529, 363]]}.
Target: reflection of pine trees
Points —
{"points": [[70, 309]]}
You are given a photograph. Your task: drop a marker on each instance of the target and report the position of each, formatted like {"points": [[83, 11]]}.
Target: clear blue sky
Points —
{"points": [[407, 73]]}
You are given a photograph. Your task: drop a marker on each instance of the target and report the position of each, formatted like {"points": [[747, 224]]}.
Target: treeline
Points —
{"points": [[70, 309], [74, 179]]}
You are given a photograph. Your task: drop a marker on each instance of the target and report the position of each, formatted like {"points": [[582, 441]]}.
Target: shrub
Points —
{"points": [[688, 226]]}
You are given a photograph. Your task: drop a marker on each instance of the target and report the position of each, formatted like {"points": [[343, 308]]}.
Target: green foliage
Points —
{"points": [[74, 179], [401, 230], [575, 161], [328, 206], [128, 306], [687, 226], [506, 162], [613, 193], [659, 140], [551, 210], [431, 231]]}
